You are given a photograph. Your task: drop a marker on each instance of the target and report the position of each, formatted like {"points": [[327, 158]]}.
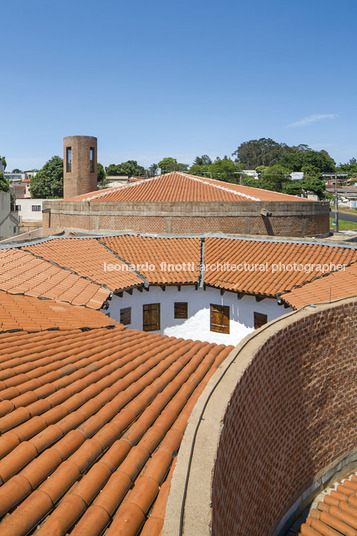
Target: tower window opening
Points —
{"points": [[68, 159], [91, 160]]}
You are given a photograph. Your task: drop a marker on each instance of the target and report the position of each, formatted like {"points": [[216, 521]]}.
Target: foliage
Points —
{"points": [[48, 182], [129, 168], [4, 183], [203, 160], [262, 152], [152, 170], [3, 161], [317, 161], [16, 170], [314, 185], [273, 177], [169, 164], [100, 174]]}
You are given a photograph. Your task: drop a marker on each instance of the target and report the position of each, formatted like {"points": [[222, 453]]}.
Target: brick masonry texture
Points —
{"points": [[80, 180], [293, 218], [290, 419]]}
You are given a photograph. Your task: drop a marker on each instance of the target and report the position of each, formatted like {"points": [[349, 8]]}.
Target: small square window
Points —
{"points": [[68, 159], [18, 208], [219, 318], [36, 208], [259, 320], [151, 317], [125, 316], [180, 310]]}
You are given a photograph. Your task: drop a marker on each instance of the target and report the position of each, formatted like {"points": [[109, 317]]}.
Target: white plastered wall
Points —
{"points": [[197, 326]]}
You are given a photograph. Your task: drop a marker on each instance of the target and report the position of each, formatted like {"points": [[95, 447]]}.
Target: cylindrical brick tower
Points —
{"points": [[79, 165]]}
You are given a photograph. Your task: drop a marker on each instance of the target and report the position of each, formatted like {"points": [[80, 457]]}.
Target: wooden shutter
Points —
{"points": [[151, 317], [180, 310], [125, 316], [219, 318], [259, 320]]}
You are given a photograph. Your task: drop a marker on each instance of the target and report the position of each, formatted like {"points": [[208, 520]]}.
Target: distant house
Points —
{"points": [[9, 222]]}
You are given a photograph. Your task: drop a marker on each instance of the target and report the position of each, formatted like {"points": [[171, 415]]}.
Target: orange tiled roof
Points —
{"points": [[162, 253], [335, 286], [90, 425], [270, 281], [178, 186], [88, 258], [336, 514], [22, 273], [32, 314]]}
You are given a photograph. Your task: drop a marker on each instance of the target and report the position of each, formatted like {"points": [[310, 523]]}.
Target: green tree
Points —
{"points": [[318, 161], [262, 152], [273, 177], [129, 168], [169, 164], [152, 170], [101, 176], [3, 161], [314, 185], [203, 160], [4, 183], [16, 170], [48, 182]]}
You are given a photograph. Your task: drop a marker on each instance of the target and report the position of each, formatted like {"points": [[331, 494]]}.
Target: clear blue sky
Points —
{"points": [[176, 78]]}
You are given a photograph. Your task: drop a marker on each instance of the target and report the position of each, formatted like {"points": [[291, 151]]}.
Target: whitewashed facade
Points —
{"points": [[197, 325]]}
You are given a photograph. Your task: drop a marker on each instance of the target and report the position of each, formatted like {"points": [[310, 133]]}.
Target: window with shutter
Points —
{"points": [[259, 320], [180, 310], [125, 316], [219, 318], [151, 317]]}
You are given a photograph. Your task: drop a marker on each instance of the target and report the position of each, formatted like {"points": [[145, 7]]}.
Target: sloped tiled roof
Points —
{"points": [[90, 424], [178, 186], [33, 314], [272, 278], [335, 286], [176, 260], [336, 514], [88, 258], [22, 273]]}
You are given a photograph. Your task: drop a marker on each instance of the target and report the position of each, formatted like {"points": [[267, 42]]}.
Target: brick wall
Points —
{"points": [[80, 180], [292, 417], [294, 219]]}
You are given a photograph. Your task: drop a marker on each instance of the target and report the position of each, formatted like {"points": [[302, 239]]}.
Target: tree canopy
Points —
{"points": [[126, 169], [262, 152], [48, 182], [3, 161], [4, 183], [169, 164], [100, 174]]}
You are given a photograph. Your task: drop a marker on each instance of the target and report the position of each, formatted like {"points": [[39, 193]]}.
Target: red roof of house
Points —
{"points": [[23, 273], [336, 514], [178, 186], [331, 287], [90, 425], [32, 314], [269, 268], [88, 258]]}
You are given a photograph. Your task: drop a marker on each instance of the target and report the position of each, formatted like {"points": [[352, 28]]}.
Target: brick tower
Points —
{"points": [[79, 165]]}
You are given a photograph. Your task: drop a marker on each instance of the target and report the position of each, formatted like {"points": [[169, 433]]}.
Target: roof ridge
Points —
{"points": [[122, 187], [204, 180]]}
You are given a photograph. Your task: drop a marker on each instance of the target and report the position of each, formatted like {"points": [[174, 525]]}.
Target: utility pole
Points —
{"points": [[336, 175]]}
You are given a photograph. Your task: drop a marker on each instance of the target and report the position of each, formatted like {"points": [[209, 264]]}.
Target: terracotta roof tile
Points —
{"points": [[336, 513], [88, 446], [277, 259], [175, 260], [335, 286], [22, 273], [178, 186], [32, 314], [88, 258]]}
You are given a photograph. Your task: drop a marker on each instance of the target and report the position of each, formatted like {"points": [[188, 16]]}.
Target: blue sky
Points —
{"points": [[176, 78]]}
